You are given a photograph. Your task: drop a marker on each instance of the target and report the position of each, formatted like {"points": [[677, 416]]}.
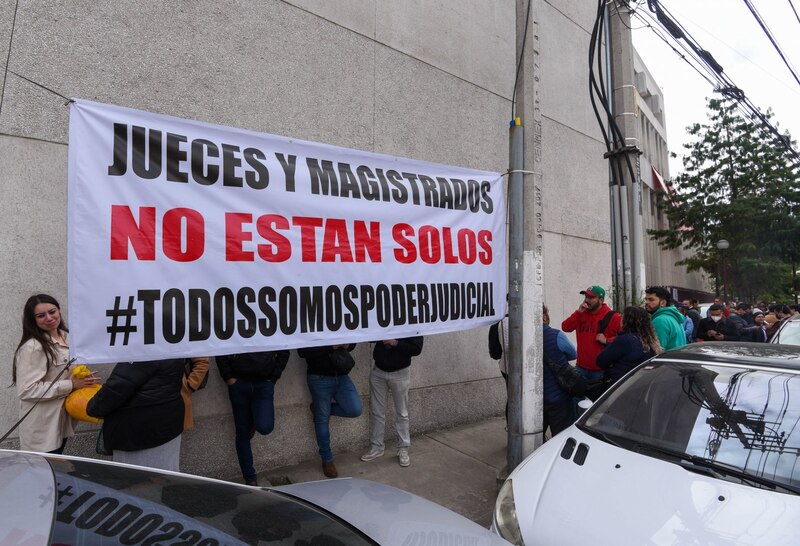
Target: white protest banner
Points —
{"points": [[186, 239]]}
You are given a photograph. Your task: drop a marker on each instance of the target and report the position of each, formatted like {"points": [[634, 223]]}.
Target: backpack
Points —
{"points": [[188, 366], [495, 345]]}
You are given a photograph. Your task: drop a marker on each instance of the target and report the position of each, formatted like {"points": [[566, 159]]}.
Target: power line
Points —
{"points": [[766, 30], [795, 11], [519, 63], [723, 84]]}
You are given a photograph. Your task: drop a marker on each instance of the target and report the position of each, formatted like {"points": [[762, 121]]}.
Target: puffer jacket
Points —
{"points": [[552, 391], [261, 366], [141, 404], [319, 360]]}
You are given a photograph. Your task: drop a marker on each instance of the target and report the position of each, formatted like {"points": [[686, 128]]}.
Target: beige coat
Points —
{"points": [[190, 384], [48, 424]]}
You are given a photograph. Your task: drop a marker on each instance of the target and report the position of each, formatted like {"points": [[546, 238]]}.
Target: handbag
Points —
{"points": [[573, 383], [341, 361], [100, 445]]}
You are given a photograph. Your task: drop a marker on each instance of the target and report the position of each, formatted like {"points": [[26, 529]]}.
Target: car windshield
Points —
{"points": [[102, 505], [789, 334], [729, 422]]}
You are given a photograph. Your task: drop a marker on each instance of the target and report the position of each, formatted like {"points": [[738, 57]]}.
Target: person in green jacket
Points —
{"points": [[667, 319]]}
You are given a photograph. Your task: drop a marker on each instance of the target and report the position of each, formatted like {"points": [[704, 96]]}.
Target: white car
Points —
{"points": [[53, 500], [788, 333], [700, 445]]}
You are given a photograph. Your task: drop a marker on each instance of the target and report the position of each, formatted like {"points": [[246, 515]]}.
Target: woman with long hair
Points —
{"points": [[41, 357], [636, 342]]}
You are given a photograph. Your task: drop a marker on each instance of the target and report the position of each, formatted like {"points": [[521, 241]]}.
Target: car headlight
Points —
{"points": [[505, 515]]}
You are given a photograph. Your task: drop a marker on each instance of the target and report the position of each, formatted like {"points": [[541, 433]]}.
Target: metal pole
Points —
{"points": [[624, 90], [515, 293], [724, 277], [526, 247]]}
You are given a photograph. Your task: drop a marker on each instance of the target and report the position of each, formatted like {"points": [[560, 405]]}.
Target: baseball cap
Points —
{"points": [[595, 291]]}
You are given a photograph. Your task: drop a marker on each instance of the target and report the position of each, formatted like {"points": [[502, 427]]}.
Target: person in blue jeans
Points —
{"points": [[332, 394], [251, 379]]}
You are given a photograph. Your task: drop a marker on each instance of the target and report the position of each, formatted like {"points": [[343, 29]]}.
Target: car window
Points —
{"points": [[103, 505], [745, 419], [789, 334]]}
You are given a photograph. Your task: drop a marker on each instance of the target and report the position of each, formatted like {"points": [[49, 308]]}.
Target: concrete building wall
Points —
{"points": [[426, 80], [660, 268]]}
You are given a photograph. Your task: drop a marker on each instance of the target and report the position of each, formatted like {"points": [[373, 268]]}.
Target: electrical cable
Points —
{"points": [[519, 63], [724, 84], [774, 42], [683, 57], [795, 11], [8, 54]]}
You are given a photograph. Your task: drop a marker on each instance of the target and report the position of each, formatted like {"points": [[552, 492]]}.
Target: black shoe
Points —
{"points": [[253, 483]]}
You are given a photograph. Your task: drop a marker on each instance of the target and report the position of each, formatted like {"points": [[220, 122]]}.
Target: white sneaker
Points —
{"points": [[373, 453], [402, 457]]}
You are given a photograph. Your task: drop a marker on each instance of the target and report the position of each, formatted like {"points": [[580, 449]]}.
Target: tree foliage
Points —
{"points": [[739, 186]]}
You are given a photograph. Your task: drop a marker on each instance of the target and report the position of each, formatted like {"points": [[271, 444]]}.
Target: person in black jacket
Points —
{"points": [[636, 343], [142, 408], [332, 393], [251, 379], [392, 371]]}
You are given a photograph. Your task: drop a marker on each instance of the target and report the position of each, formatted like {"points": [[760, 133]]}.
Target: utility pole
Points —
{"points": [[626, 152], [526, 246]]}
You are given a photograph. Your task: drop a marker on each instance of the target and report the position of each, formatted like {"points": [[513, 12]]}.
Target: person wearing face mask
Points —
{"points": [[715, 326]]}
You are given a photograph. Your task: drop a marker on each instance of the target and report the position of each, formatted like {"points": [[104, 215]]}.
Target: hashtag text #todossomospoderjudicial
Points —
{"points": [[177, 315]]}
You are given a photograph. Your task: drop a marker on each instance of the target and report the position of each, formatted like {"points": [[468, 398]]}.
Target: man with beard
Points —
{"points": [[595, 326], [667, 319]]}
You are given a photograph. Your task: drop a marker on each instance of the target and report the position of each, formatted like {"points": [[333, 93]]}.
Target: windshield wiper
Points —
{"points": [[716, 469], [598, 434]]}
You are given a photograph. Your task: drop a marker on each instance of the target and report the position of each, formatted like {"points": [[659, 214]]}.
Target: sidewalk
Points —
{"points": [[456, 468]]}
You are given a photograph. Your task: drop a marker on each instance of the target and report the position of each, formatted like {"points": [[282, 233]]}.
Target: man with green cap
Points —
{"points": [[595, 326]]}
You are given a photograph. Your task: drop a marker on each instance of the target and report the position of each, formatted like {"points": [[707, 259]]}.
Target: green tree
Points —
{"points": [[739, 186]]}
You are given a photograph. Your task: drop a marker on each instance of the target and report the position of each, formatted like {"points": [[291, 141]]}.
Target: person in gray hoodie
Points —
{"points": [[667, 319]]}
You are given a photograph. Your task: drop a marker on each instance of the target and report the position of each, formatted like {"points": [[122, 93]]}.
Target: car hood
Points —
{"points": [[391, 516], [620, 497]]}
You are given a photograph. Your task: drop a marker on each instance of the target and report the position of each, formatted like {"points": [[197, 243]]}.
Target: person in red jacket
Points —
{"points": [[595, 326]]}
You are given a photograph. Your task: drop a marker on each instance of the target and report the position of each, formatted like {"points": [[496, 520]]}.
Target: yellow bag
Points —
{"points": [[77, 400]]}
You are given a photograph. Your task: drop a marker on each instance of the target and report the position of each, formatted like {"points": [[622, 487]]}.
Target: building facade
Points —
{"points": [[660, 268], [426, 80]]}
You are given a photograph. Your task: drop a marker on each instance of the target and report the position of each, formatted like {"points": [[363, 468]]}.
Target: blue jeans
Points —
{"points": [[331, 395], [253, 408]]}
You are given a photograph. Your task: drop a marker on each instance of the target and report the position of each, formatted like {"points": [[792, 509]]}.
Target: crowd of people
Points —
{"points": [[145, 406], [610, 344]]}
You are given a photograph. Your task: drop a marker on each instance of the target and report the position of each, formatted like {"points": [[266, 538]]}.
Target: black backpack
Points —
{"points": [[495, 345]]}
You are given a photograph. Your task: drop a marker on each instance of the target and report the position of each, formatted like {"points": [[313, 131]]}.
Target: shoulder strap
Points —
{"points": [[601, 327]]}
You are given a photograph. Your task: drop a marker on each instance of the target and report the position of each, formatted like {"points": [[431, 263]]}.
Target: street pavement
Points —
{"points": [[456, 468]]}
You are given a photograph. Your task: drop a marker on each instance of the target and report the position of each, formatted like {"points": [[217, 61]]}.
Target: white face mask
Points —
{"points": [[716, 319]]}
